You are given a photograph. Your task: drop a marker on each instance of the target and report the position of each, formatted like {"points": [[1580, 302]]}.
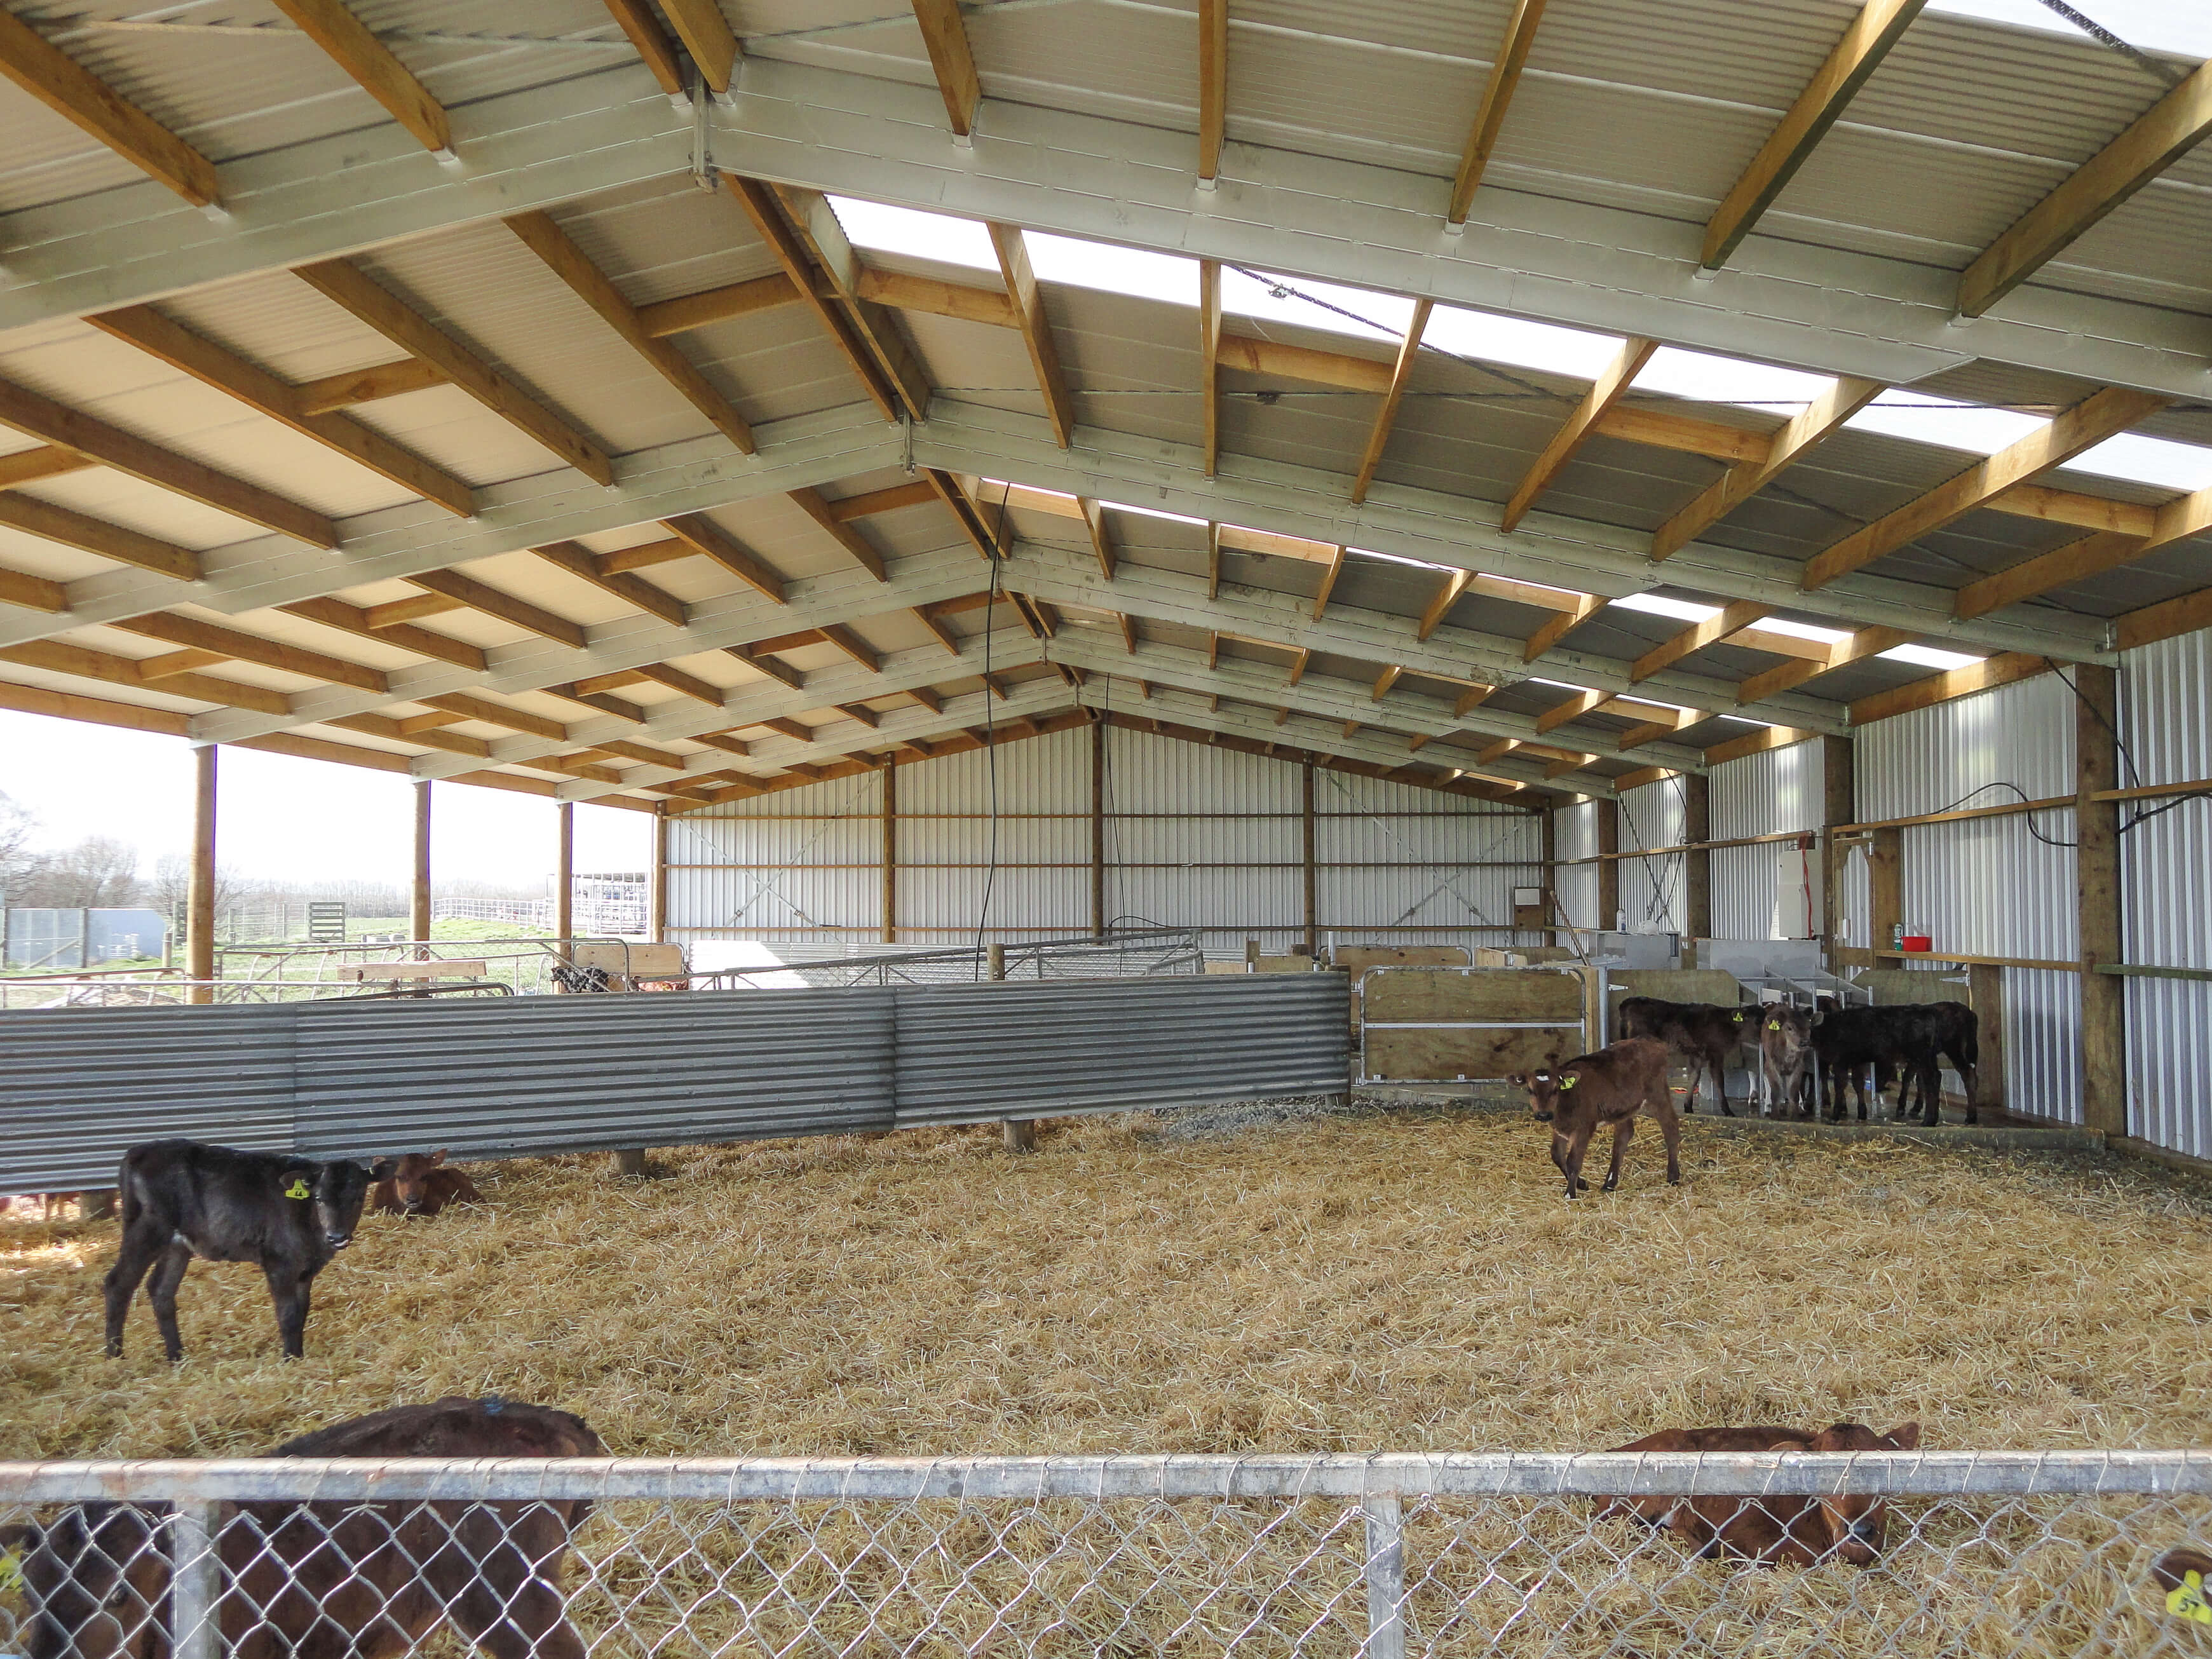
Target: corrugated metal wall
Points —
{"points": [[2167, 866], [1651, 888], [1770, 793], [1989, 886], [1194, 837], [1576, 837]]}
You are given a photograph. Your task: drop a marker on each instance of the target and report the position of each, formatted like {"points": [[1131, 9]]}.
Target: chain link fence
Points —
{"points": [[1903, 1553]]}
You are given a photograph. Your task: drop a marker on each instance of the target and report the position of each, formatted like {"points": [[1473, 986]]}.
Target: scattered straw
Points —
{"points": [[1374, 1281]]}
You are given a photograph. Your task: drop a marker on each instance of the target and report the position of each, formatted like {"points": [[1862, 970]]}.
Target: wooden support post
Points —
{"points": [[564, 872], [1608, 869], [1985, 992], [2103, 996], [418, 908], [1306, 814], [1097, 829], [1885, 888], [1549, 856], [1698, 862], [1020, 1132], [630, 1161], [199, 891], [658, 922], [1839, 806], [890, 856]]}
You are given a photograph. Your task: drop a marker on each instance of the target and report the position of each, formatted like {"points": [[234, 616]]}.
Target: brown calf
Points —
{"points": [[1703, 1033], [1775, 1531], [331, 1580], [1608, 1088], [2172, 1571], [421, 1187]]}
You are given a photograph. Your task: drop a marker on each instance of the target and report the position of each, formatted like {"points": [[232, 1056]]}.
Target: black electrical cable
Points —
{"points": [[2103, 36]]}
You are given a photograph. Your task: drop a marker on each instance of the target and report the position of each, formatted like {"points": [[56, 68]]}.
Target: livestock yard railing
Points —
{"points": [[1118, 955], [1985, 1554]]}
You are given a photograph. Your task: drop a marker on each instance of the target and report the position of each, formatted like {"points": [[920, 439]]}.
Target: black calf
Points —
{"points": [[181, 1199]]}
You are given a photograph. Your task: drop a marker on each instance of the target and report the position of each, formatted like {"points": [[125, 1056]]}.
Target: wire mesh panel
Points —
{"points": [[1765, 1553]]}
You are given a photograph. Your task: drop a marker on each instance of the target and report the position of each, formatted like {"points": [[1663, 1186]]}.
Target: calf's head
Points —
{"points": [[334, 1193], [1547, 1088], [409, 1182], [1784, 1030], [1857, 1522], [94, 1580]]}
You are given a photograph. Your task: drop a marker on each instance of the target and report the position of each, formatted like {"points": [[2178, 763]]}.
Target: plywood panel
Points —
{"points": [[1473, 996], [1466, 1053]]}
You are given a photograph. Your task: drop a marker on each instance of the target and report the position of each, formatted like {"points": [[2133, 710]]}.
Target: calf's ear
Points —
{"points": [[1518, 1079], [298, 1180], [438, 1156], [384, 1168], [1906, 1437]]}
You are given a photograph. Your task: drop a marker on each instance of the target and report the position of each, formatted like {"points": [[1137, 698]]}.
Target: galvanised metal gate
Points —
{"points": [[528, 1076]]}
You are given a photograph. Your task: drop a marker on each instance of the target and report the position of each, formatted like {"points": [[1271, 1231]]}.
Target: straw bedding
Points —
{"points": [[1369, 1281], [1378, 1280]]}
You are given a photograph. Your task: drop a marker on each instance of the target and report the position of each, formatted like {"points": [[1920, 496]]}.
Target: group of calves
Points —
{"points": [[1612, 1088]]}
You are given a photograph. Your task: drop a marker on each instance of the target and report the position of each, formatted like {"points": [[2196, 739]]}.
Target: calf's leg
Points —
{"points": [[1577, 1144], [1559, 1156], [162, 1291], [1621, 1131], [288, 1289], [140, 1246]]}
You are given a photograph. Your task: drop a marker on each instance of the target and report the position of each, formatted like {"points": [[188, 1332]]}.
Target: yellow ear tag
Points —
{"points": [[11, 1573], [298, 1188], [2186, 1600], [1773, 1024], [1569, 1082]]}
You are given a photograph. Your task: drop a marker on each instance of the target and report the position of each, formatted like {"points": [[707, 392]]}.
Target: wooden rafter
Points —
{"points": [[761, 664], [1209, 347], [71, 528], [367, 385], [815, 223], [581, 563], [1746, 479], [57, 80], [349, 44], [30, 466], [1586, 606], [762, 207], [1573, 708], [1857, 56], [239, 646], [33, 593], [918, 493], [2001, 669], [1732, 620], [2166, 132], [60, 657], [1379, 437], [2092, 555], [945, 38], [259, 390], [1212, 86], [1102, 542], [1609, 389], [809, 500], [367, 300], [1448, 595], [641, 23], [1663, 726], [1330, 573], [352, 619], [2088, 423], [505, 606], [706, 35], [1496, 99], [1784, 676], [702, 534], [1036, 328], [853, 645], [41, 418], [544, 238]]}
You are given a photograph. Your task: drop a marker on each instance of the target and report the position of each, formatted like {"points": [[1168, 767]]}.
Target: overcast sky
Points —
{"points": [[282, 819]]}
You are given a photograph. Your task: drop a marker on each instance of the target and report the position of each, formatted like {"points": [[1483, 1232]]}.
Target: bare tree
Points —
{"points": [[173, 881], [17, 825], [98, 872]]}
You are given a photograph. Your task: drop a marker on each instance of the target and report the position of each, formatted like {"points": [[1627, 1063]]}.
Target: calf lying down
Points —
{"points": [[1773, 1531]]}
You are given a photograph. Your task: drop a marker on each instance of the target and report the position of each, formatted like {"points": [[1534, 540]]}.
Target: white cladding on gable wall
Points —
{"points": [[2167, 868], [1651, 896], [1576, 837], [1194, 836]]}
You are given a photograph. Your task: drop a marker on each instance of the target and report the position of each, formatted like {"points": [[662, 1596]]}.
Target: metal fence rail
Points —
{"points": [[508, 1077], [2049, 1554], [1130, 954]]}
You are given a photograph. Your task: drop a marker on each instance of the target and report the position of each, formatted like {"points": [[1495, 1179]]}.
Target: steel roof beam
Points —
{"points": [[1453, 532], [692, 476]]}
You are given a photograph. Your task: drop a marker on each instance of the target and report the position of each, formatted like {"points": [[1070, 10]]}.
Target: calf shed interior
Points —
{"points": [[1448, 516]]}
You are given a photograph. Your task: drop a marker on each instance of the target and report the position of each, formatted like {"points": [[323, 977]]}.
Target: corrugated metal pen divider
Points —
{"points": [[537, 1076], [970, 1054], [78, 1086]]}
